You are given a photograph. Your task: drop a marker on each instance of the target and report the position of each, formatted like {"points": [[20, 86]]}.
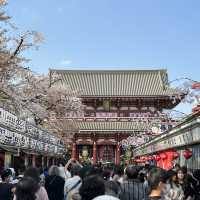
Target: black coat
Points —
{"points": [[55, 187]]}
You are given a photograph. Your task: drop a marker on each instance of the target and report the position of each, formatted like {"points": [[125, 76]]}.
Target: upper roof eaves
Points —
{"points": [[107, 70], [148, 82]]}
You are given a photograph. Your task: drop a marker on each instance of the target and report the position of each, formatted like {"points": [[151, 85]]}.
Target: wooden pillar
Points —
{"points": [[117, 156], [34, 160], [42, 161], [47, 161], [74, 151], [26, 160], [74, 148], [118, 108], [94, 153], [53, 161], [7, 160]]}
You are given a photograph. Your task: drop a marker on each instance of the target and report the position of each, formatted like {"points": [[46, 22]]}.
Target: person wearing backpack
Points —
{"points": [[72, 185]]}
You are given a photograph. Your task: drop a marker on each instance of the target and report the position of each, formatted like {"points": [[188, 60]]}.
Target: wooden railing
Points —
{"points": [[162, 120]]}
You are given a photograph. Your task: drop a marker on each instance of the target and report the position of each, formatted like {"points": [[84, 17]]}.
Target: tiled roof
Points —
{"points": [[101, 126], [117, 83], [112, 126]]}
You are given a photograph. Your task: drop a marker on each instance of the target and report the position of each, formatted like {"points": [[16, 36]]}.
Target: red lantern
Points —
{"points": [[187, 154], [157, 158], [175, 155], [138, 160], [146, 158], [150, 158], [163, 156], [153, 157], [142, 158]]}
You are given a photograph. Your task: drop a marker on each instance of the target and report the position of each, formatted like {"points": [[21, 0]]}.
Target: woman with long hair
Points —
{"points": [[172, 190], [186, 185], [41, 193]]}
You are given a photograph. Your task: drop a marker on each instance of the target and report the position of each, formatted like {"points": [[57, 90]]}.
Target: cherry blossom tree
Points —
{"points": [[12, 44], [30, 94]]}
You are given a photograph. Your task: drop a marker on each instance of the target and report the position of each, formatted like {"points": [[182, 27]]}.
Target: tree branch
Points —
{"points": [[17, 49]]}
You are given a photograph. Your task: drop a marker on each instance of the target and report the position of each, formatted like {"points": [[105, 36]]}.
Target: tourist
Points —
{"points": [[43, 176], [54, 184], [26, 189], [68, 166], [89, 170], [106, 174], [6, 188], [118, 175], [112, 188], [41, 193], [21, 171], [92, 186], [105, 197], [13, 179], [72, 185], [132, 188], [156, 181], [64, 173], [185, 183], [176, 167], [196, 176], [172, 190]]}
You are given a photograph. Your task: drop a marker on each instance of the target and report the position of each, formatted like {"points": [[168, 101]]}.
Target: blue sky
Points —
{"points": [[128, 34]]}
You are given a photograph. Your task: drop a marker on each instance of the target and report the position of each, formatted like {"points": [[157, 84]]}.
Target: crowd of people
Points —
{"points": [[74, 181]]}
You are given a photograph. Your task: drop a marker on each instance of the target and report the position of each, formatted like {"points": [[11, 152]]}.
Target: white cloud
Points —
{"points": [[65, 62]]}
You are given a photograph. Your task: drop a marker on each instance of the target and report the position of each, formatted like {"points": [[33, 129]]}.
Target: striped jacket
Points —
{"points": [[133, 190]]}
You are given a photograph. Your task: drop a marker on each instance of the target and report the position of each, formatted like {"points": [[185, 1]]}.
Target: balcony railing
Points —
{"points": [[162, 120]]}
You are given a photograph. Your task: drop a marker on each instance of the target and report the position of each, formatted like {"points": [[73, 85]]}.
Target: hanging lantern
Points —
{"points": [[150, 158], [85, 153], [157, 158], [141, 161], [146, 158], [153, 157], [175, 155], [163, 156], [187, 154], [106, 105], [142, 157]]}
